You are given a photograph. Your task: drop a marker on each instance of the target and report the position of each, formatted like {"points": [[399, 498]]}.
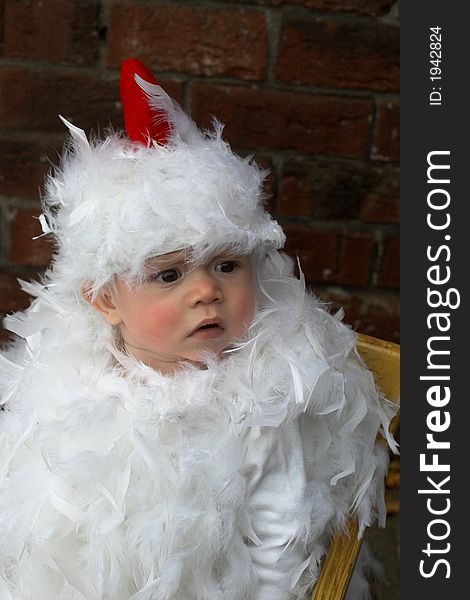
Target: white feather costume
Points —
{"points": [[119, 482]]}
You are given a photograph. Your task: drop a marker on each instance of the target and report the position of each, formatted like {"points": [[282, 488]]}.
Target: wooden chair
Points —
{"points": [[383, 359]]}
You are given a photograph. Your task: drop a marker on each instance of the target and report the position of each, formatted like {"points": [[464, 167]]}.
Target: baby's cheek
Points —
{"points": [[158, 322], [246, 312]]}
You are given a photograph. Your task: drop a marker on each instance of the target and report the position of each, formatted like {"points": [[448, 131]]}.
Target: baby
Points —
{"points": [[182, 419]]}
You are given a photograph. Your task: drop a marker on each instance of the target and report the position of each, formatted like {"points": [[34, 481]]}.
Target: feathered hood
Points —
{"points": [[113, 203]]}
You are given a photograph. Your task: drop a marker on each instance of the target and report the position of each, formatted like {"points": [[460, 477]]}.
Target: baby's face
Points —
{"points": [[181, 311]]}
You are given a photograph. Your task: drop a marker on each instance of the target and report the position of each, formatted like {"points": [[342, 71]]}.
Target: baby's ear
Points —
{"points": [[104, 304]]}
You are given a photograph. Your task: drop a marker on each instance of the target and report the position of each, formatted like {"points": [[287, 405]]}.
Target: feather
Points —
{"points": [[144, 122], [298, 572], [69, 510], [77, 134], [10, 367], [9, 455], [361, 492], [33, 288], [334, 480], [80, 213], [4, 592], [21, 325], [297, 381], [76, 579], [165, 108], [44, 226]]}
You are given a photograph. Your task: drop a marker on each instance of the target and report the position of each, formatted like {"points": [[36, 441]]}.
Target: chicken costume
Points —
{"points": [[118, 482]]}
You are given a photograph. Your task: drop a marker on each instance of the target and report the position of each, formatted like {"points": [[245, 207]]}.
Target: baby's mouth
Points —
{"points": [[208, 330]]}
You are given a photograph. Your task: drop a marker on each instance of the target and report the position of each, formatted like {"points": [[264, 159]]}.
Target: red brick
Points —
{"points": [[362, 7], [56, 30], [12, 298], [273, 119], [23, 249], [386, 145], [376, 314], [191, 39], [295, 196], [24, 164], [330, 256], [319, 189], [340, 191], [388, 274], [340, 54], [382, 201], [317, 251], [32, 99], [84, 40], [36, 30], [354, 259]]}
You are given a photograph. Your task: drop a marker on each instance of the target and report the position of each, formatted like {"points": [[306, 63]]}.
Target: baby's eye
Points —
{"points": [[168, 276], [228, 266]]}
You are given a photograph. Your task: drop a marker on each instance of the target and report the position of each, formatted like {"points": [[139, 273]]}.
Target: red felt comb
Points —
{"points": [[142, 121]]}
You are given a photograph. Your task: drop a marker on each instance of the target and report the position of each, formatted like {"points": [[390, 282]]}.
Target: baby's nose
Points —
{"points": [[205, 287]]}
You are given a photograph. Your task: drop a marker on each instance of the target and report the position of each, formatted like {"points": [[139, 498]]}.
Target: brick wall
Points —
{"points": [[310, 87]]}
